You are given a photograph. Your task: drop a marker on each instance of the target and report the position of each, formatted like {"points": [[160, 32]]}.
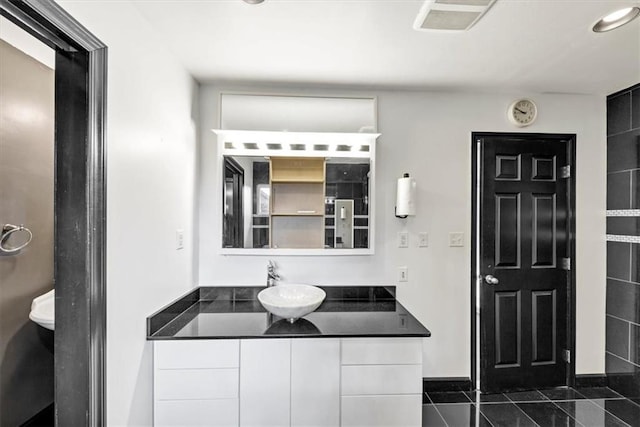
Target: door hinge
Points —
{"points": [[565, 171], [566, 263], [566, 356]]}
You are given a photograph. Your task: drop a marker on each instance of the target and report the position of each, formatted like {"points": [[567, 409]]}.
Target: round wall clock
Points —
{"points": [[522, 112]]}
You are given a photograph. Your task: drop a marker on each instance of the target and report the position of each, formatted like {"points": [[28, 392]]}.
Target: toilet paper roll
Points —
{"points": [[405, 197]]}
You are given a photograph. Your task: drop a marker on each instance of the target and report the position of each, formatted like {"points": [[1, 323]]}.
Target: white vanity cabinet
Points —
{"points": [[295, 382]]}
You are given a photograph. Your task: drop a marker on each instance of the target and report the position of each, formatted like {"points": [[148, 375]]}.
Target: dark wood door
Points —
{"points": [[524, 235]]}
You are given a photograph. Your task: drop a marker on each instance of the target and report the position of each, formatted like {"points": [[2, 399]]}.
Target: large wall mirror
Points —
{"points": [[298, 174], [297, 193]]}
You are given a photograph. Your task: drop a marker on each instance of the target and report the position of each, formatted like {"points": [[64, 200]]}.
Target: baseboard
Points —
{"points": [[440, 384], [592, 380]]}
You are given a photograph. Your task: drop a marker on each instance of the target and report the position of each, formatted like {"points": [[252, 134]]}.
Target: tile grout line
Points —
{"points": [[629, 282], [476, 407], [478, 411], [622, 171], [436, 408], [622, 132], [521, 410], [566, 412], [611, 413], [619, 395], [630, 329], [621, 358], [622, 320]]}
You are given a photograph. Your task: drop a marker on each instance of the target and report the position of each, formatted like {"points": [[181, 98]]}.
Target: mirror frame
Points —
{"points": [[310, 138]]}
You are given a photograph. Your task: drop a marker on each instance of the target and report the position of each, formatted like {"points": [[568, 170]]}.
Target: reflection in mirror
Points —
{"points": [[297, 202], [233, 215]]}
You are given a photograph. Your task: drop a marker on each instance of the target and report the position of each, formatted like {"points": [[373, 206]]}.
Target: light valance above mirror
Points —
{"points": [[292, 113]]}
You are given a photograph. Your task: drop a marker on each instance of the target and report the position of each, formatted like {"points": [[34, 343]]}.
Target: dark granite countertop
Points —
{"points": [[235, 312]]}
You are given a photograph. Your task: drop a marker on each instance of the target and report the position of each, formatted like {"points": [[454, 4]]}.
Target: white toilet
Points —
{"points": [[43, 310]]}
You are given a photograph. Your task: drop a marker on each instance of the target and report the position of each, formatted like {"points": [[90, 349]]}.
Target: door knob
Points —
{"points": [[491, 280]]}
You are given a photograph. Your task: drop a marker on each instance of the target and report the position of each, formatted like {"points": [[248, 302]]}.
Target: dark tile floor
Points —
{"points": [[589, 407]]}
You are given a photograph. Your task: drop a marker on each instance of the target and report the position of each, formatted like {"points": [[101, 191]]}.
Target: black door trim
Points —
{"points": [[80, 207], [571, 309], [232, 166]]}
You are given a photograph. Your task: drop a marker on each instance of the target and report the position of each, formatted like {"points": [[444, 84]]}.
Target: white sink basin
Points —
{"points": [[43, 310], [291, 301]]}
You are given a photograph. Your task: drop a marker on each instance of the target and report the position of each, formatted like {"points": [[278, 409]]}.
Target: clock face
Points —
{"points": [[522, 112]]}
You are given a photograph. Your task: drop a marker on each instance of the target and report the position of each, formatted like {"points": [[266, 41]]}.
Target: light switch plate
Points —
{"points": [[403, 274], [456, 239], [403, 239], [423, 239], [179, 239]]}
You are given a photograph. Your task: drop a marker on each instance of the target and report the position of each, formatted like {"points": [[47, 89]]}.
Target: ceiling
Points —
{"points": [[541, 46]]}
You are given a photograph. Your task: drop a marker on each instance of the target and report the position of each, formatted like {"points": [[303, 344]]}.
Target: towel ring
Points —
{"points": [[8, 230]]}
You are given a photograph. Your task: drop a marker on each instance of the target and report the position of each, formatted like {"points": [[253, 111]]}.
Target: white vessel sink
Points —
{"points": [[291, 301], [43, 310]]}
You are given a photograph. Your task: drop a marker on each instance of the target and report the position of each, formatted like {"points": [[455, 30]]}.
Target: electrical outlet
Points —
{"points": [[403, 239], [179, 239], [403, 274], [456, 239], [423, 239]]}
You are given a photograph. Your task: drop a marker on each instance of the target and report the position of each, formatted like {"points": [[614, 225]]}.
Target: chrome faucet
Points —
{"points": [[272, 276]]}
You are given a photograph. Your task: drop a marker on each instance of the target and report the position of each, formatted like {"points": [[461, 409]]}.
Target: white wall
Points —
{"points": [[151, 147], [429, 135]]}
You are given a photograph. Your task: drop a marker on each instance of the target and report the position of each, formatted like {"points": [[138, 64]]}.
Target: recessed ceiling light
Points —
{"points": [[616, 19], [253, 1]]}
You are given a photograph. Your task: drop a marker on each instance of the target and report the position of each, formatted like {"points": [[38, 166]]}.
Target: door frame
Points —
{"points": [[476, 173], [79, 207], [229, 164]]}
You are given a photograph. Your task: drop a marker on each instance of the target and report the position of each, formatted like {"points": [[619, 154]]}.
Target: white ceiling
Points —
{"points": [[526, 45]]}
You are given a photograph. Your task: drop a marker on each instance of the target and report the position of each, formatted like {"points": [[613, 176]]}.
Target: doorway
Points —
{"points": [[26, 226], [523, 251], [79, 207]]}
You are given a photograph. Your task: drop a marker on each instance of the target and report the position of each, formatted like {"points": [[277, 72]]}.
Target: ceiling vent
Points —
{"points": [[451, 15]]}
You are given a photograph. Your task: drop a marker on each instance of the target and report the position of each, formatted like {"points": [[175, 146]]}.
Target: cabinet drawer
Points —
{"points": [[196, 354], [382, 411], [382, 351], [381, 379], [196, 413], [196, 384]]}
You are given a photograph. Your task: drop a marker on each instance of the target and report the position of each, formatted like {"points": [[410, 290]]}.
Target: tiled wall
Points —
{"points": [[623, 241]]}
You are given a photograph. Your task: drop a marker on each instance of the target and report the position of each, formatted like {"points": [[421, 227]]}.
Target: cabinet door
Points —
{"points": [[196, 354], [181, 384], [196, 413], [381, 379], [382, 351], [265, 369], [315, 382], [382, 411]]}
